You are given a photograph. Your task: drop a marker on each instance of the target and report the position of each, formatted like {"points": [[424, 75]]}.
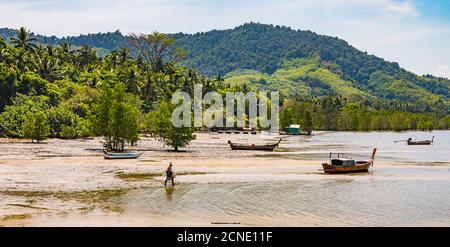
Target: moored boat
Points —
{"points": [[424, 142], [121, 155], [259, 147], [294, 129], [346, 165]]}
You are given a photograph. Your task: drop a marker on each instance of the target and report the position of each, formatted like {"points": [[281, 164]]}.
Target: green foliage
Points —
{"points": [[68, 132], [333, 113], [306, 122], [36, 126], [323, 82], [311, 77], [14, 115], [8, 84], [115, 118], [24, 40], [158, 124]]}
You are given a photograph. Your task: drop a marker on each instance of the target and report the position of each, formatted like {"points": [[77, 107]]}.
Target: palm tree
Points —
{"points": [[4, 53], [86, 55], [64, 52], [132, 80], [48, 67], [22, 60], [124, 54], [24, 40], [113, 58]]}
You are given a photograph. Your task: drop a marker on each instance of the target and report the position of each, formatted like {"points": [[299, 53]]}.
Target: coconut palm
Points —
{"points": [[132, 80], [48, 67], [64, 52], [24, 40], [22, 60], [123, 54], [86, 55]]}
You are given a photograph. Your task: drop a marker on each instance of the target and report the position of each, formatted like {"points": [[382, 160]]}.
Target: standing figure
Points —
{"points": [[169, 175]]}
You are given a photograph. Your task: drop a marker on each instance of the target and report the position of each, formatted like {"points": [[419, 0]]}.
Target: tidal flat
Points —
{"points": [[68, 183]]}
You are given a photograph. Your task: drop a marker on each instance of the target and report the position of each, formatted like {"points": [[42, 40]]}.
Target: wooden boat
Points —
{"points": [[124, 155], [424, 142], [345, 165], [294, 129], [259, 147]]}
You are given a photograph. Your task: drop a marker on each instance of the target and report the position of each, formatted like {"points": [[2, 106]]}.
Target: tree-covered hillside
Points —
{"points": [[312, 78], [265, 48], [66, 91]]}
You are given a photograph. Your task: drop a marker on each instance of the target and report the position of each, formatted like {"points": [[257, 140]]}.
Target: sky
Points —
{"points": [[414, 33]]}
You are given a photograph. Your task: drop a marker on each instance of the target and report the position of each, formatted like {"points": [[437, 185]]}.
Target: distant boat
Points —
{"points": [[424, 142], [346, 165], [410, 141], [294, 129], [123, 155], [259, 147]]}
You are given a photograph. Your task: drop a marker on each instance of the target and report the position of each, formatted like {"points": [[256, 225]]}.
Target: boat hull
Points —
{"points": [[358, 168], [121, 156], [420, 143], [254, 147]]}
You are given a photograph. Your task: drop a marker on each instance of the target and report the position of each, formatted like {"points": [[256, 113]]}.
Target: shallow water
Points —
{"points": [[387, 196], [340, 202]]}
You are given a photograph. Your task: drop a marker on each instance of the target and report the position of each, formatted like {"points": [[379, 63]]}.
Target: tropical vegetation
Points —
{"points": [[64, 88]]}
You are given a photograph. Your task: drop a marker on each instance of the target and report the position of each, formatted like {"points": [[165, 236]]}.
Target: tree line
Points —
{"points": [[335, 113]]}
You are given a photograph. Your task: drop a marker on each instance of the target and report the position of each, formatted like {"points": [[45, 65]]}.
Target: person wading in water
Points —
{"points": [[169, 175]]}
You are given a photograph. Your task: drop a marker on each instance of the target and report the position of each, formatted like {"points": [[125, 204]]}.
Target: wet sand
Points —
{"points": [[68, 183]]}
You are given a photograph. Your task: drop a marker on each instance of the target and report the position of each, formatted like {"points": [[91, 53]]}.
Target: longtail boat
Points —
{"points": [[260, 147], [424, 142], [346, 165], [123, 155]]}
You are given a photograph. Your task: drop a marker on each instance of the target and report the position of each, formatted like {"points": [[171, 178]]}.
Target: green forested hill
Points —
{"points": [[66, 90], [311, 77], [272, 54]]}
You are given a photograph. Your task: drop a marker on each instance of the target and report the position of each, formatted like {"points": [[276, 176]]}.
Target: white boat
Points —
{"points": [[121, 155]]}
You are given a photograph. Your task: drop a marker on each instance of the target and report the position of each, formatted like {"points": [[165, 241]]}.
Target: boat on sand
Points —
{"points": [[121, 155], [347, 165], [259, 147]]}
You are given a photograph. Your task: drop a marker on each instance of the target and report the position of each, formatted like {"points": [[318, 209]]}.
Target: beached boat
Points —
{"points": [[346, 165], [122, 155], [260, 147], [424, 142]]}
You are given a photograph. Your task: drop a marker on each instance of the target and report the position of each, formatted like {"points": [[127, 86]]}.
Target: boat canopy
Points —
{"points": [[342, 162]]}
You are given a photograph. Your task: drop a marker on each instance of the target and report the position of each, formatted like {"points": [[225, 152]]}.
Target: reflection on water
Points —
{"points": [[340, 202], [169, 192]]}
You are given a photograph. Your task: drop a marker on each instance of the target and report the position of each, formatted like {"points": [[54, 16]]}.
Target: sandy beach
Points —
{"points": [[68, 183]]}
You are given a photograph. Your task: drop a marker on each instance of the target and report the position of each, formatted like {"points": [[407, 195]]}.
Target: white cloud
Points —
{"points": [[393, 29]]}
